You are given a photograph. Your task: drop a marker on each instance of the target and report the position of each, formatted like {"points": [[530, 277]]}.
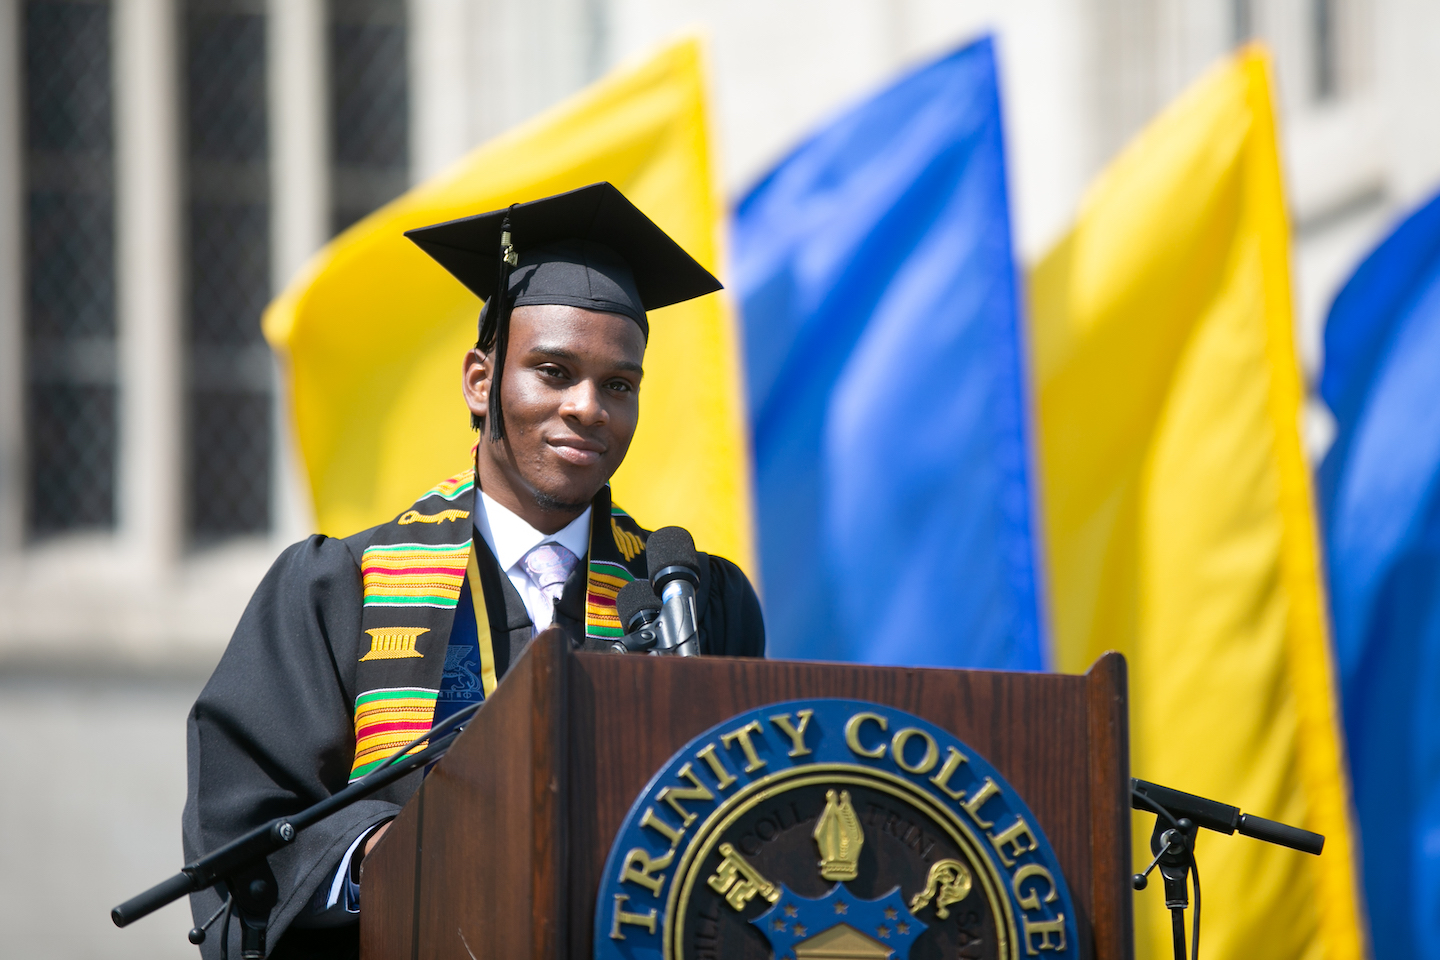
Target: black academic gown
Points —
{"points": [[272, 731]]}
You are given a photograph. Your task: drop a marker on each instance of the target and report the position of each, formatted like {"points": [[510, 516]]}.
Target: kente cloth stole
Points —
{"points": [[412, 573]]}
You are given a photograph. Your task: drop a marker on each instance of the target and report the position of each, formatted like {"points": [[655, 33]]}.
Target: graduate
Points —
{"points": [[352, 647]]}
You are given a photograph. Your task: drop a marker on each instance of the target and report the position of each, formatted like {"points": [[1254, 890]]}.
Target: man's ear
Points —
{"points": [[475, 384]]}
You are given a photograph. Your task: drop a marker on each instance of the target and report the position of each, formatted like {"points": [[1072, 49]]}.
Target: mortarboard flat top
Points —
{"points": [[638, 267]]}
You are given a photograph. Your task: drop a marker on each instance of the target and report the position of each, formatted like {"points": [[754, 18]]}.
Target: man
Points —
{"points": [[352, 647]]}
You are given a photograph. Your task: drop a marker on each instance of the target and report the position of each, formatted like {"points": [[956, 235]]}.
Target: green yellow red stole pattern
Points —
{"points": [[412, 573]]}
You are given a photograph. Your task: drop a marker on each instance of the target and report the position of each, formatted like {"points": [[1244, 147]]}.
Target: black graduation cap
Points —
{"points": [[588, 248]]}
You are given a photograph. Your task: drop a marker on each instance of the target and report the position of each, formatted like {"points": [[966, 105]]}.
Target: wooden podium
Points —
{"points": [[500, 852]]}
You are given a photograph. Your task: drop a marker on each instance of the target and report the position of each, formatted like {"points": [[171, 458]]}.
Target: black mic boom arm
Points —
{"points": [[254, 846], [1223, 818]]}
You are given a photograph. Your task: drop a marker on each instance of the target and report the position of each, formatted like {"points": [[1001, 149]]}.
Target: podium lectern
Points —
{"points": [[503, 851]]}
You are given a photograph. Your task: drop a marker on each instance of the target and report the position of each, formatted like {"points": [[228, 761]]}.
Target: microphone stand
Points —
{"points": [[1178, 818], [1174, 849], [240, 867]]}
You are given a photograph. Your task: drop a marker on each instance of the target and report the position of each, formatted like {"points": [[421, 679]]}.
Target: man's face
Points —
{"points": [[571, 402]]}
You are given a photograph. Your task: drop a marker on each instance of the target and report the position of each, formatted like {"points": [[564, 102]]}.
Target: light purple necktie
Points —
{"points": [[548, 567]]}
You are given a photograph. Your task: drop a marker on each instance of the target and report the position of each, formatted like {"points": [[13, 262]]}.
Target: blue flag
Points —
{"points": [[1380, 501], [892, 462]]}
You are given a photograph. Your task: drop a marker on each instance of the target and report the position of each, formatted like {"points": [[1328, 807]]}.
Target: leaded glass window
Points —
{"points": [[70, 363], [229, 408], [369, 106]]}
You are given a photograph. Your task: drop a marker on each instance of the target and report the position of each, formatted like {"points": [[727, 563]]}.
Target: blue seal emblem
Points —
{"points": [[825, 829]]}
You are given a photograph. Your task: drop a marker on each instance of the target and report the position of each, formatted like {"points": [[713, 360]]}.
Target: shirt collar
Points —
{"points": [[510, 538]]}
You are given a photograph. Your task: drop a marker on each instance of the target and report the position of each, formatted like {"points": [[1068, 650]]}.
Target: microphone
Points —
{"points": [[1223, 818], [674, 574], [639, 608]]}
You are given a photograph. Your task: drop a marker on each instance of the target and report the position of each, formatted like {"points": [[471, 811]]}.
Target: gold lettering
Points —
{"points": [[743, 735], [723, 776], [1011, 836], [1045, 929], [639, 858], [646, 920], [852, 735], [973, 805], [953, 759], [661, 827], [927, 762], [673, 795], [1031, 900], [796, 734]]}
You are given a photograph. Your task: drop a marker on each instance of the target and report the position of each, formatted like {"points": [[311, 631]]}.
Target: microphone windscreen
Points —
{"points": [[635, 596], [671, 547]]}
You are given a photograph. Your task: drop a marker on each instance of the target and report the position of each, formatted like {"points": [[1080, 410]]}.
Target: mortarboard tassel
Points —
{"points": [[495, 334]]}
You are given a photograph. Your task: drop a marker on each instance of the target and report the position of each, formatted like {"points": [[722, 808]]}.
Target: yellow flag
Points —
{"points": [[1178, 509], [374, 331]]}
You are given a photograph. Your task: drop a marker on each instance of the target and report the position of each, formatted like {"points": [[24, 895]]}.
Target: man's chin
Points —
{"points": [[561, 503]]}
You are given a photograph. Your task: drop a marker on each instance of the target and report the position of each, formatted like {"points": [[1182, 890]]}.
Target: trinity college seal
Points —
{"points": [[829, 829]]}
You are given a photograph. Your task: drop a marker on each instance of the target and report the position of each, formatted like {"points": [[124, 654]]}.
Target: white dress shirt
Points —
{"points": [[510, 538]]}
